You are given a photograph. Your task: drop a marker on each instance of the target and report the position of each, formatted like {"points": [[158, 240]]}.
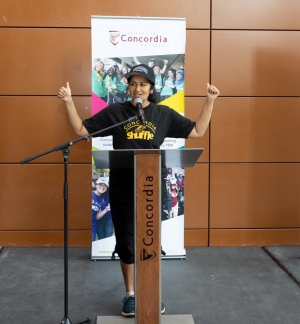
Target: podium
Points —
{"points": [[147, 166]]}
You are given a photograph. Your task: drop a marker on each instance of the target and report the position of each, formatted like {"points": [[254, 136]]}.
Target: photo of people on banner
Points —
{"points": [[110, 85], [174, 204], [102, 224]]}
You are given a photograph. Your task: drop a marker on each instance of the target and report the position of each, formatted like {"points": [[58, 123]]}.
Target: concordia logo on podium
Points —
{"points": [[144, 255]]}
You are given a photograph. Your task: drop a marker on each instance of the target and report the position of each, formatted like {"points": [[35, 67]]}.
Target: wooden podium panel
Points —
{"points": [[147, 243]]}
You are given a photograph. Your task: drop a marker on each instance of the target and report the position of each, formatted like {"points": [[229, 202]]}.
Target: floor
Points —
{"points": [[228, 285]]}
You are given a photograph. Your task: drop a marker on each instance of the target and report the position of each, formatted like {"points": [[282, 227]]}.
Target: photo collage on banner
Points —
{"points": [[118, 44]]}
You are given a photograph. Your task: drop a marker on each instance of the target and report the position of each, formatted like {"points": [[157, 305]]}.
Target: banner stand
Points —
{"points": [[165, 319], [118, 44]]}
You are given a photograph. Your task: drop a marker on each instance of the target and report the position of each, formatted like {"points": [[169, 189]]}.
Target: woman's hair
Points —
{"points": [[174, 74], [173, 71], [157, 67], [99, 61], [152, 96], [121, 70]]}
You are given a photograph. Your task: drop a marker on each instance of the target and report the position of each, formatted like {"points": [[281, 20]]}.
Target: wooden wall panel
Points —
{"points": [[252, 196], [35, 124], [255, 130], [32, 197], [38, 61], [196, 237], [196, 197], [193, 106], [256, 63], [77, 13], [254, 237], [256, 14], [45, 67], [45, 238], [46, 43], [197, 62]]}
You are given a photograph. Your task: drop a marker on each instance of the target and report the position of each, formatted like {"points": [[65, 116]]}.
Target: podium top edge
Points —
{"points": [[178, 157]]}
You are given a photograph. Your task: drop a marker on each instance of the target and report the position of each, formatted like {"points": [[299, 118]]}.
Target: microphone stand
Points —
{"points": [[64, 148]]}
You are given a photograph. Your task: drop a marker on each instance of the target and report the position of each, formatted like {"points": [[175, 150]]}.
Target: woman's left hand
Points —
{"points": [[212, 92]]}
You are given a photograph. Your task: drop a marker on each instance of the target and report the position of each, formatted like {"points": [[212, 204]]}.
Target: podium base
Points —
{"points": [[165, 319]]}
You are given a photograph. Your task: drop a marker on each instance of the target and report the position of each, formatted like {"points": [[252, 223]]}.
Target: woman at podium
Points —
{"points": [[156, 123]]}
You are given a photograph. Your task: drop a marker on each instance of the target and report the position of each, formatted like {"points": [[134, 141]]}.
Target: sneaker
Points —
{"points": [[129, 306]]}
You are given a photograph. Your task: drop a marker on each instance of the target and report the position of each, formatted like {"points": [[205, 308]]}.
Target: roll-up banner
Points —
{"points": [[118, 44]]}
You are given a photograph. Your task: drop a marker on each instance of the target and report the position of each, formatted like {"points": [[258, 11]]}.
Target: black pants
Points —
{"points": [[121, 195]]}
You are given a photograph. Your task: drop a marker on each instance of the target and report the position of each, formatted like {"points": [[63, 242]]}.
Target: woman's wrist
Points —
{"points": [[209, 101], [69, 102]]}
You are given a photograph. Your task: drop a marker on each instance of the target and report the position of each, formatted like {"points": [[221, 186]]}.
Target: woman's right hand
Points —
{"points": [[64, 93]]}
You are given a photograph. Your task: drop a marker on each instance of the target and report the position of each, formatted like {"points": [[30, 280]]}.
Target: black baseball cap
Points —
{"points": [[142, 70]]}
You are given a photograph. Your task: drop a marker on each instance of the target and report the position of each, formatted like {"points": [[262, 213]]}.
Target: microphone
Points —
{"points": [[140, 114]]}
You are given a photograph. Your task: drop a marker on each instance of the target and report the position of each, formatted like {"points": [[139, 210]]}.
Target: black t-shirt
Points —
{"points": [[161, 122]]}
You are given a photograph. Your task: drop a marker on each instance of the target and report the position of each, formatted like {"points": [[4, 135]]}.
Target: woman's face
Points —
{"points": [[179, 76], [124, 70], [156, 69], [170, 74], [139, 87], [110, 71], [98, 66], [101, 188]]}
